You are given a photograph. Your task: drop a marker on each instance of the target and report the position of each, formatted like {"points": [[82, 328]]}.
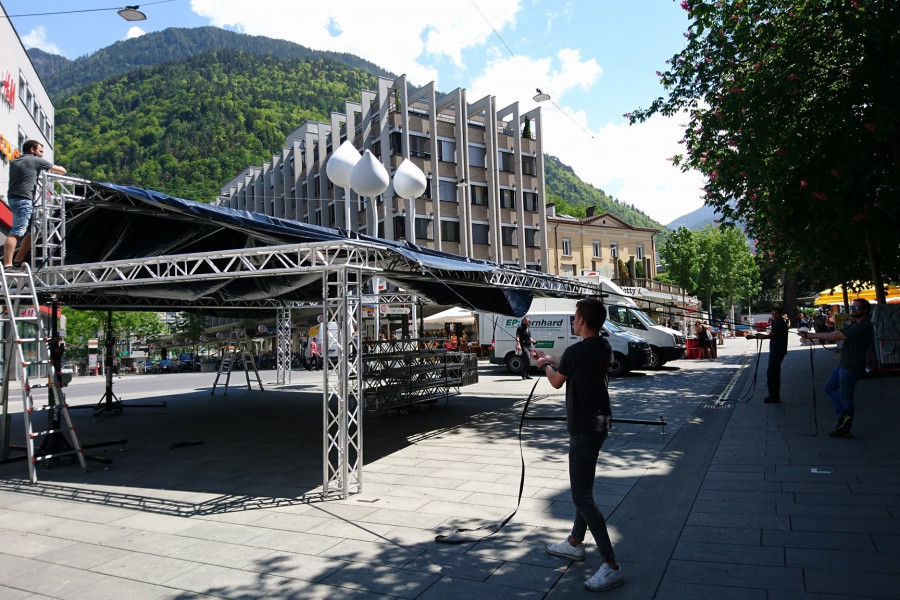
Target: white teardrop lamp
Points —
{"points": [[340, 164], [409, 180], [369, 177]]}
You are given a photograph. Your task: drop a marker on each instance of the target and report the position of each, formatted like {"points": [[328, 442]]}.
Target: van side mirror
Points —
{"points": [[604, 333]]}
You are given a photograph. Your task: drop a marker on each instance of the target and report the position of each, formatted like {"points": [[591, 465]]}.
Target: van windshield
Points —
{"points": [[642, 317], [612, 327]]}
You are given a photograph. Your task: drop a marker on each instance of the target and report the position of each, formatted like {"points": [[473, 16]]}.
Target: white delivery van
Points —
{"points": [[665, 344], [553, 332]]}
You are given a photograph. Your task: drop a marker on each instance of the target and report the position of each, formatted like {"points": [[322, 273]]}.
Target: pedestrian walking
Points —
{"points": [[841, 383], [582, 368], [23, 174], [778, 343], [523, 346]]}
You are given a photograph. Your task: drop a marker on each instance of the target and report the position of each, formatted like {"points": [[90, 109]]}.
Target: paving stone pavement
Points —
{"points": [[738, 499]]}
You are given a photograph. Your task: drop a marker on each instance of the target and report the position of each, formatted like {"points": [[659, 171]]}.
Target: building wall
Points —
{"points": [[485, 195], [25, 108], [589, 245]]}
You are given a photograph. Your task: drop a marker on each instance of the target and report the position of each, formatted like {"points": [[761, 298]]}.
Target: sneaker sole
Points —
{"points": [[564, 555], [603, 588]]}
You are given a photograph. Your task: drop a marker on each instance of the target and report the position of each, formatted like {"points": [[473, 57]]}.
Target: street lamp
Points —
{"points": [[540, 96], [131, 13]]}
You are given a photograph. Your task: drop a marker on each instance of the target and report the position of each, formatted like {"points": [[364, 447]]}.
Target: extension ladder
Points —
{"points": [[240, 347], [22, 308]]}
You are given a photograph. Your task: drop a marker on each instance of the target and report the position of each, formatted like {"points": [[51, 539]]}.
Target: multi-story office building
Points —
{"points": [[26, 112], [597, 243], [484, 165]]}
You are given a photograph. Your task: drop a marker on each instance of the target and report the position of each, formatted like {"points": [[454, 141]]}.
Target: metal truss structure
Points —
{"points": [[283, 350], [400, 375], [338, 270]]}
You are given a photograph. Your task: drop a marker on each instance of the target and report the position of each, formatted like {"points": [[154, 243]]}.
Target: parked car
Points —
{"points": [[69, 369], [164, 366], [741, 330], [188, 362]]}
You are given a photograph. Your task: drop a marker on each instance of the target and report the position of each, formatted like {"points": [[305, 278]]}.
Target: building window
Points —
{"points": [[639, 251], [529, 165], [450, 231], [480, 233], [376, 149], [568, 270], [477, 156], [396, 143], [531, 237], [567, 247], [418, 146], [447, 191], [446, 151], [613, 250], [508, 198], [381, 229], [509, 235], [479, 194], [598, 249], [400, 227], [423, 228], [531, 201], [506, 161], [332, 219], [23, 85]]}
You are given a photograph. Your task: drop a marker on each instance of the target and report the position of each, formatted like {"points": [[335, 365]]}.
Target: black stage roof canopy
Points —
{"points": [[107, 223]]}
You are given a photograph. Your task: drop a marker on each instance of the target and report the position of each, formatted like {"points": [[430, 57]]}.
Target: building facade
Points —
{"points": [[484, 165], [596, 244], [26, 112]]}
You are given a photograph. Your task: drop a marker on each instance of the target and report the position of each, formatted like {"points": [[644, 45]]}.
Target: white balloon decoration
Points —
{"points": [[369, 177], [409, 180], [340, 164]]}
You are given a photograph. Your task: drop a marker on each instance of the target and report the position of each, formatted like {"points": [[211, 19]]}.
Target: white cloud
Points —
{"points": [[37, 38], [396, 36], [134, 32], [627, 162]]}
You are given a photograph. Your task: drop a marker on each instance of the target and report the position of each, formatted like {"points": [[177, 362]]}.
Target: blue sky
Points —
{"points": [[596, 58]]}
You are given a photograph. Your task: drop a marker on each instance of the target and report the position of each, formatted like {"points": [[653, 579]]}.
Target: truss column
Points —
{"points": [[342, 382], [283, 349]]}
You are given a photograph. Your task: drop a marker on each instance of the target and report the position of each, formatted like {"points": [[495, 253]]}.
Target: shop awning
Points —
{"points": [[835, 295], [452, 315]]}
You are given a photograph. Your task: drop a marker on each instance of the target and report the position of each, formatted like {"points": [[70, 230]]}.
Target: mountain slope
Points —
{"points": [[46, 64], [173, 45], [186, 128], [572, 196]]}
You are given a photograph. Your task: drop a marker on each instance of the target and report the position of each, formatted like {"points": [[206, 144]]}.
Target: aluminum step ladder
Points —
{"points": [[32, 357], [239, 347]]}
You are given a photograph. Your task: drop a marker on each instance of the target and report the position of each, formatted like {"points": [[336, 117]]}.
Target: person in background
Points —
{"points": [[523, 346], [778, 343], [315, 354], [23, 174], [582, 368], [841, 383], [704, 340]]}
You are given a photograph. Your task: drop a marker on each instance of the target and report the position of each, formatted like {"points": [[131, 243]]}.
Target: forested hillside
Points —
{"points": [[572, 196], [172, 45], [186, 128]]}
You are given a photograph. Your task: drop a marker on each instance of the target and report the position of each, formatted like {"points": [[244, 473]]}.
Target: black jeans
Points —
{"points": [[584, 448], [526, 361], [773, 375]]}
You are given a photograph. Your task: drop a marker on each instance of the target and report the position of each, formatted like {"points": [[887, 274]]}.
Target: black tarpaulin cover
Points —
{"points": [[128, 223]]}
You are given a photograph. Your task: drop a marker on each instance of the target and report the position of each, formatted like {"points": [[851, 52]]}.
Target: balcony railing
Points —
{"points": [[650, 284]]}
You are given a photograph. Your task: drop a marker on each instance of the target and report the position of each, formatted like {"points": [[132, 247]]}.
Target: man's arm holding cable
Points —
{"points": [[549, 364]]}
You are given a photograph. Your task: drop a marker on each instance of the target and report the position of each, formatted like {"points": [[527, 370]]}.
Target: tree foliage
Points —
{"points": [[82, 325], [792, 108], [713, 263]]}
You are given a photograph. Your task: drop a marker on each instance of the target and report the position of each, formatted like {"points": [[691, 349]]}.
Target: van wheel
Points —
{"points": [[656, 360], [514, 363], [618, 365]]}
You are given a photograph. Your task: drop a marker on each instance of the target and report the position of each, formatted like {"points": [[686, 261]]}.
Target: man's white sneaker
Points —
{"points": [[566, 550], [604, 579]]}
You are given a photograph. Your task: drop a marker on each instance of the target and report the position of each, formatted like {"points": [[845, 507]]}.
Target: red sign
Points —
{"points": [[9, 89]]}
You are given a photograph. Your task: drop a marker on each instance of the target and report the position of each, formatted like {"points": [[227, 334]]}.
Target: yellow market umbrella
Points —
{"points": [[835, 295]]}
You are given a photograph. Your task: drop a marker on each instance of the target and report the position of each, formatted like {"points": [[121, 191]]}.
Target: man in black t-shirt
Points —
{"points": [[778, 336], [841, 384], [523, 346], [583, 370]]}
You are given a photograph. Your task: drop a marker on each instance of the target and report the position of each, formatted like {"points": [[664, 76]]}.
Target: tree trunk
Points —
{"points": [[875, 265], [789, 294]]}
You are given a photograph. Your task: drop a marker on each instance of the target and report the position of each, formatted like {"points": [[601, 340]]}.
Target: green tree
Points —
{"points": [[681, 255], [81, 325], [792, 117]]}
